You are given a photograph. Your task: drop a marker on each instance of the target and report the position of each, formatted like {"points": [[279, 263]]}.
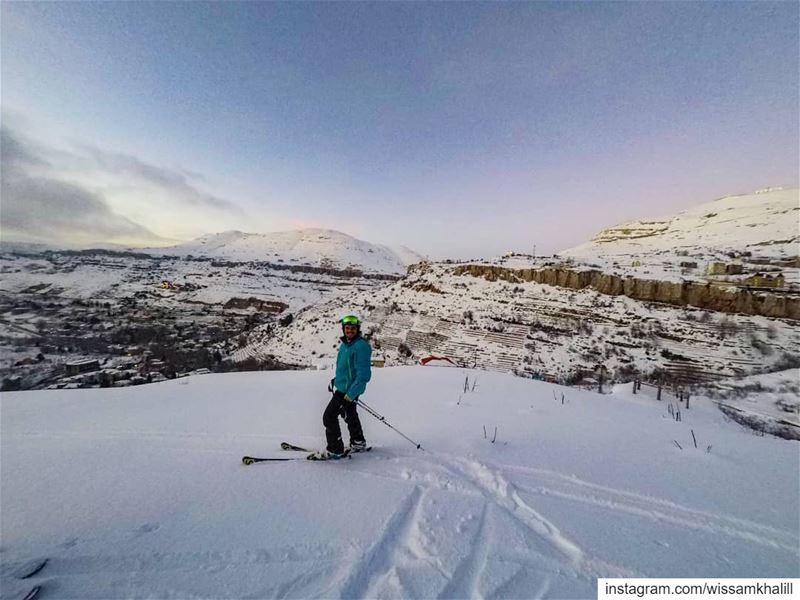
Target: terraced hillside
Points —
{"points": [[536, 330]]}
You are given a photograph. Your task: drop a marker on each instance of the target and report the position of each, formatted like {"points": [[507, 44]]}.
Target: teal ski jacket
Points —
{"points": [[353, 369]]}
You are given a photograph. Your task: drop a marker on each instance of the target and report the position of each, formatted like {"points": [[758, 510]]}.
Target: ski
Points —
{"points": [[30, 568], [288, 446], [348, 453], [33, 593], [249, 460]]}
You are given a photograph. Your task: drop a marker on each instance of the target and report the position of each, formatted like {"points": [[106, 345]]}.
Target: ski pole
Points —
{"points": [[385, 422]]}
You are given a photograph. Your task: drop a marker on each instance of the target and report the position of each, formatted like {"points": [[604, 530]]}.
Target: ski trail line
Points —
{"points": [[663, 517], [657, 509], [466, 579], [381, 557], [494, 487], [505, 590], [296, 587], [503, 493], [159, 562]]}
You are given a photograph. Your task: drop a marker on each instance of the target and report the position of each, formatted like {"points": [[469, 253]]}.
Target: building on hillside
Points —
{"points": [[715, 268], [734, 269], [155, 365], [722, 268], [87, 365], [766, 280]]}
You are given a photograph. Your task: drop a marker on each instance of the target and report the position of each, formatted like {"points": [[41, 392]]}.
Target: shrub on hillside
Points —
{"points": [[764, 348], [787, 361]]}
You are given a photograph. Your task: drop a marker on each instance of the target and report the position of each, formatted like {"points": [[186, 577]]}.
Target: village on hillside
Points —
{"points": [[103, 318], [78, 343]]}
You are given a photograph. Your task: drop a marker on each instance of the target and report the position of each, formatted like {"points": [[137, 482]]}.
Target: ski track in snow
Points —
{"points": [[382, 558], [474, 478], [549, 552], [565, 554], [504, 494], [466, 579], [575, 489], [578, 490], [402, 545]]}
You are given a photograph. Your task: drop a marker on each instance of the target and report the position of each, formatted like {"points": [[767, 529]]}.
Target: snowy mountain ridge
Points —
{"points": [[315, 247], [763, 223], [311, 246]]}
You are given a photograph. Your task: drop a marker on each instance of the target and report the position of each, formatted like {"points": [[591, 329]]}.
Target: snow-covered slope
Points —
{"points": [[140, 492], [317, 247], [764, 224]]}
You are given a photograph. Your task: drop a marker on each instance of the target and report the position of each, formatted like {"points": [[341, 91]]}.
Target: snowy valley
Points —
{"points": [[633, 304], [81, 318]]}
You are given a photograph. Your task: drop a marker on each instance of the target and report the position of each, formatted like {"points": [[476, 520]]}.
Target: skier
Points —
{"points": [[352, 374]]}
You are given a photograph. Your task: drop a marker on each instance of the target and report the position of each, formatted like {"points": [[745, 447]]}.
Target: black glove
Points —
{"points": [[330, 385]]}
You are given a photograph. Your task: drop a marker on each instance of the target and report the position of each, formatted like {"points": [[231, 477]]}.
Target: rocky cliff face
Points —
{"points": [[632, 230], [706, 296]]}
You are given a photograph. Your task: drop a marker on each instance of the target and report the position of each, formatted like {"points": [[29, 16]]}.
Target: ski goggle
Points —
{"points": [[350, 320]]}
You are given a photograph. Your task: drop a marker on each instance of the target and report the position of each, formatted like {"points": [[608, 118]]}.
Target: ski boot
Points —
{"points": [[327, 455], [360, 446]]}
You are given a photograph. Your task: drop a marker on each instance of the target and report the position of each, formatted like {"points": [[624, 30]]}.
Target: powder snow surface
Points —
{"points": [[140, 492]]}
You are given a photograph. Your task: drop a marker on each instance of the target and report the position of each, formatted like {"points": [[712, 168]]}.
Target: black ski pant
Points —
{"points": [[330, 418]]}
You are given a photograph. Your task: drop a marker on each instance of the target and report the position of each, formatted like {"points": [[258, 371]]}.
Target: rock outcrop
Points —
{"points": [[686, 293], [271, 306]]}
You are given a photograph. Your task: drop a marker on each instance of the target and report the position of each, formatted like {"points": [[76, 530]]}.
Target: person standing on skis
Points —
{"points": [[353, 372]]}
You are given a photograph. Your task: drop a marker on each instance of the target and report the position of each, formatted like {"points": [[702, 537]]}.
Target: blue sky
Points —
{"points": [[457, 129]]}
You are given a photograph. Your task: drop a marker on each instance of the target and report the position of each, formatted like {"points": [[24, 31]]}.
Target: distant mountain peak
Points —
{"points": [[309, 246]]}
